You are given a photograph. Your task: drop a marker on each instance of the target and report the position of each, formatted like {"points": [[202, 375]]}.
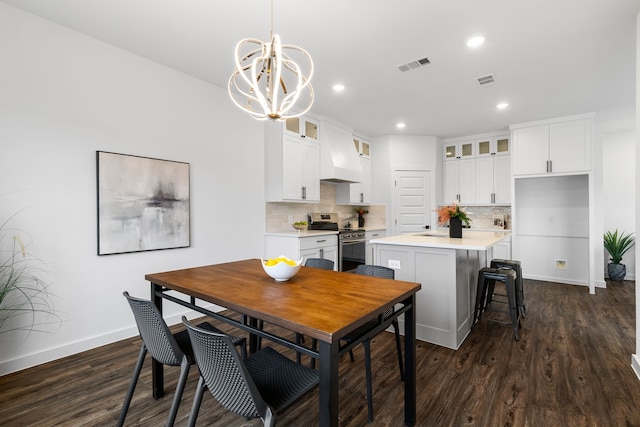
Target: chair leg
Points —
{"points": [[197, 400], [177, 397], [396, 327], [367, 364], [513, 307], [480, 300], [132, 385]]}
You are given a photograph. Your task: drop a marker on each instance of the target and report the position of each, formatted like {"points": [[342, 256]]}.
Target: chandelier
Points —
{"points": [[267, 83]]}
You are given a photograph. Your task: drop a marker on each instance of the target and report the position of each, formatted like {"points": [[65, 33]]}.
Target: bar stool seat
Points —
{"points": [[511, 264], [486, 280]]}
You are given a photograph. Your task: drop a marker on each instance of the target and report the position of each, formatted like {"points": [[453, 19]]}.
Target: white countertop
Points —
{"points": [[304, 233], [471, 240]]}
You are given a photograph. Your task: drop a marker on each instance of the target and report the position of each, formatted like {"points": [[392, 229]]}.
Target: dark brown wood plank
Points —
{"points": [[571, 367]]}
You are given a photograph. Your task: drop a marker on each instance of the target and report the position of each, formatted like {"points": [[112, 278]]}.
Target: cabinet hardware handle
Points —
{"points": [[361, 197], [321, 241], [304, 193], [321, 252], [550, 165]]}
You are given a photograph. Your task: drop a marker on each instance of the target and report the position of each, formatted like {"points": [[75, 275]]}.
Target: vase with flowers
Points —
{"points": [[361, 213], [455, 216]]}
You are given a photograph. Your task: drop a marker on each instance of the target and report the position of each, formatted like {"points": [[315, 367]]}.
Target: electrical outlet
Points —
{"points": [[394, 263], [561, 264]]}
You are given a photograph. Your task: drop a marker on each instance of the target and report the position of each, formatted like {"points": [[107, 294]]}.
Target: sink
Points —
{"points": [[432, 235]]}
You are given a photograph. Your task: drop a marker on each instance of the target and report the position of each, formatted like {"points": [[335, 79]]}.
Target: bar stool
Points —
{"points": [[486, 279], [514, 265]]}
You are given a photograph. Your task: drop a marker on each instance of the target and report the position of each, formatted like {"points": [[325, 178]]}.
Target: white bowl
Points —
{"points": [[281, 271]]}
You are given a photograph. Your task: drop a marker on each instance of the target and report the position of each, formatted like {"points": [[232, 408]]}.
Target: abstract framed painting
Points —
{"points": [[143, 204]]}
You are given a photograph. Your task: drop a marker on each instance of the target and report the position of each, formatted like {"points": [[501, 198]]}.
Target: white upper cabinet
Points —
{"points": [[358, 193], [493, 146], [560, 146], [477, 170], [303, 126], [459, 182], [457, 150], [292, 162], [362, 146]]}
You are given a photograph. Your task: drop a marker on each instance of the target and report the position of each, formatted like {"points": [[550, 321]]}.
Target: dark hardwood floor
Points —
{"points": [[571, 367]]}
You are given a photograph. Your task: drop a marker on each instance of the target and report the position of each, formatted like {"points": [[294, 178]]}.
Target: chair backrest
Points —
{"points": [[154, 332], [378, 271], [224, 372], [325, 264]]}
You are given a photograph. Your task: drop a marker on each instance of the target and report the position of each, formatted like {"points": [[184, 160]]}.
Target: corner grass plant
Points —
{"points": [[25, 302], [618, 244]]}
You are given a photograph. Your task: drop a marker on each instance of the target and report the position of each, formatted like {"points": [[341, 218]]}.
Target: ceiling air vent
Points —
{"points": [[487, 80], [412, 65]]}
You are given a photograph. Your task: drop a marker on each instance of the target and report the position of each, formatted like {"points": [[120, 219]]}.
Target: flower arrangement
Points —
{"points": [[361, 211], [445, 213]]}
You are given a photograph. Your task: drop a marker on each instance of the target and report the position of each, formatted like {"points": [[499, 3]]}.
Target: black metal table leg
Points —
{"points": [[328, 384], [410, 362]]}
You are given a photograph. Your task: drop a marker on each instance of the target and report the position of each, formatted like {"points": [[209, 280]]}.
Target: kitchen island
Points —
{"points": [[447, 269]]}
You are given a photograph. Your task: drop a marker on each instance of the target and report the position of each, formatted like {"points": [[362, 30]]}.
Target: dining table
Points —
{"points": [[320, 304]]}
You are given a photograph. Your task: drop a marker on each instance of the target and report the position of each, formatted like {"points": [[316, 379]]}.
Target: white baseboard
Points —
{"points": [[54, 353]]}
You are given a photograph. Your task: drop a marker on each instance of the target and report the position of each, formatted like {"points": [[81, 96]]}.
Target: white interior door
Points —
{"points": [[412, 201]]}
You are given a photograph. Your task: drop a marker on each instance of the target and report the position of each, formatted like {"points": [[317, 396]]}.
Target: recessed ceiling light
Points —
{"points": [[400, 125], [475, 41], [338, 87], [502, 105]]}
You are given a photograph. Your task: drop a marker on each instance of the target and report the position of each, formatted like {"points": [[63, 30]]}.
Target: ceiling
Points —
{"points": [[549, 58]]}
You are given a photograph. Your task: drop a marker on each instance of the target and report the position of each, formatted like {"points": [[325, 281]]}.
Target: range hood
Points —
{"points": [[339, 161]]}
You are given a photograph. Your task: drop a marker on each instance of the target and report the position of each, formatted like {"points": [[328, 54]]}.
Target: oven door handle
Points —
{"points": [[352, 242]]}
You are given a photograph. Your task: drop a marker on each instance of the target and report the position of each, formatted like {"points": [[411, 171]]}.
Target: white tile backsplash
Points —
{"points": [[277, 214]]}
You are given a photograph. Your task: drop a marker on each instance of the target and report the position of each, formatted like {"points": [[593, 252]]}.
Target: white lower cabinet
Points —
{"points": [[502, 250], [302, 246], [369, 250]]}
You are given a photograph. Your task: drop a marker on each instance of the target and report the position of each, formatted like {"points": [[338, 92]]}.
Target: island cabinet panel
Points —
{"points": [[448, 277]]}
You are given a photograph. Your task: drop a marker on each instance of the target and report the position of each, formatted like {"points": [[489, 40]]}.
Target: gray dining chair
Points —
{"points": [[388, 273], [259, 386], [325, 264], [165, 347]]}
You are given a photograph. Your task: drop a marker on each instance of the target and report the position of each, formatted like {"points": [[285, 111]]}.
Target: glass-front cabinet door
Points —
{"points": [[302, 126], [458, 150], [493, 146]]}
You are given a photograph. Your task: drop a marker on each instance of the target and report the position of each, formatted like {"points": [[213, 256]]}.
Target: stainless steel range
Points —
{"points": [[351, 241]]}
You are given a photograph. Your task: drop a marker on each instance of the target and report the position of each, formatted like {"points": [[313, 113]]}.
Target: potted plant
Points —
{"points": [[24, 297], [455, 216], [361, 212], [617, 244]]}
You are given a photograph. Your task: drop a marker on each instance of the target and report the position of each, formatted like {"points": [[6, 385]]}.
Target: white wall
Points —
{"points": [[635, 358], [619, 195], [64, 96]]}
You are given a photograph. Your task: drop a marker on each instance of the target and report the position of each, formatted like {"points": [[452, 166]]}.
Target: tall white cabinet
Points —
{"points": [[477, 170], [292, 161]]}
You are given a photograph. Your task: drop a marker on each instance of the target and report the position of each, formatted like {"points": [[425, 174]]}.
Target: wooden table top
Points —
{"points": [[318, 303]]}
